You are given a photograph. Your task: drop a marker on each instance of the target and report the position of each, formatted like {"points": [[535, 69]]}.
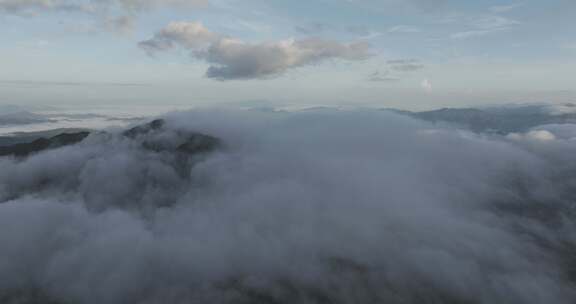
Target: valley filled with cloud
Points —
{"points": [[287, 152], [307, 206]]}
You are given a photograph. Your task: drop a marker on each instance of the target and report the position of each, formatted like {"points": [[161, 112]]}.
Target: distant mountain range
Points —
{"points": [[22, 118], [41, 144], [27, 144], [28, 137], [495, 120], [499, 120]]}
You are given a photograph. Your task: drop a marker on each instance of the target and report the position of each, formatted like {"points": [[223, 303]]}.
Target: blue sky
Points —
{"points": [[398, 53]]}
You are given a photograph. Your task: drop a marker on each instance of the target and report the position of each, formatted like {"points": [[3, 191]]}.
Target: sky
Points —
{"points": [[412, 54]]}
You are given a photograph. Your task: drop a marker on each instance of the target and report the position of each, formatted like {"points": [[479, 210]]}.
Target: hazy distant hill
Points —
{"points": [[27, 137], [22, 118], [500, 120], [190, 143], [41, 144], [11, 108]]}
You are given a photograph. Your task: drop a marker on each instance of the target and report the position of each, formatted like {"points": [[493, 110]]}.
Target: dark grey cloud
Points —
{"points": [[231, 58], [371, 206], [395, 70]]}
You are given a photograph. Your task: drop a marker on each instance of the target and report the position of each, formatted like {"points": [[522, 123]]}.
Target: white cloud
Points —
{"points": [[535, 135], [426, 85], [560, 109], [486, 25], [403, 29], [469, 34], [190, 35], [112, 15], [505, 8], [32, 7], [232, 58], [494, 23]]}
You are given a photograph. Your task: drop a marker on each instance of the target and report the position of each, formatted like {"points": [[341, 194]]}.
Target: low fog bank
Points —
{"points": [[16, 120], [22, 118], [308, 207]]}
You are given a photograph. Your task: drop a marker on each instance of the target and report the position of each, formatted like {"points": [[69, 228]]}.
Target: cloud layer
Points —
{"points": [[309, 207], [232, 58]]}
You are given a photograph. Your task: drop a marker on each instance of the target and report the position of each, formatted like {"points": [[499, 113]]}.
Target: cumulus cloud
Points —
{"points": [[560, 131], [561, 109], [190, 35], [539, 135], [232, 58], [371, 206]]}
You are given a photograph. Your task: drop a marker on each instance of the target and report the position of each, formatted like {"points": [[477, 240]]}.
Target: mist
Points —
{"points": [[317, 206]]}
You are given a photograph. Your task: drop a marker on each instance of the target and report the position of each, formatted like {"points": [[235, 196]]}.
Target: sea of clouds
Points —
{"points": [[318, 206], [18, 119]]}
